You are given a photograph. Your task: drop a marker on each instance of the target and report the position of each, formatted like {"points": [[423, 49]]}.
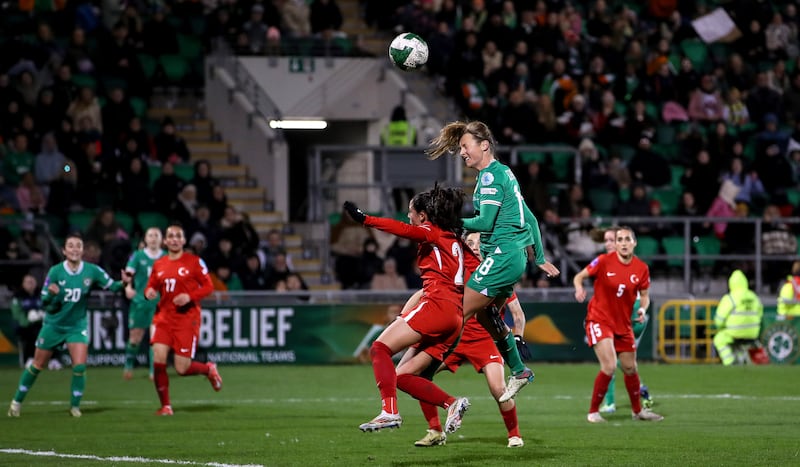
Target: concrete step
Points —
{"points": [[247, 205], [324, 287], [304, 266], [158, 113], [214, 158], [230, 171], [264, 227], [194, 135], [293, 241], [265, 217], [245, 193], [202, 147]]}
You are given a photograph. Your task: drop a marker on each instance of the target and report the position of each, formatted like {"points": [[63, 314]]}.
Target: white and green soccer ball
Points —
{"points": [[408, 51]]}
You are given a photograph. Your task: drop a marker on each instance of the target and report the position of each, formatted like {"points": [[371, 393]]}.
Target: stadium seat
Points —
{"points": [[674, 246], [625, 151], [148, 64], [139, 106], [677, 172], [184, 171], [665, 134], [707, 245], [669, 199], [526, 157], [646, 247], [84, 81], [147, 219], [175, 68], [793, 195], [154, 171], [54, 223], [125, 221], [697, 52], [561, 162], [603, 201], [80, 220], [190, 47]]}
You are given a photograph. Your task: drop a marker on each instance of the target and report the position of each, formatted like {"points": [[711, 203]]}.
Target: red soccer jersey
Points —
{"points": [[440, 257], [616, 286], [187, 274]]}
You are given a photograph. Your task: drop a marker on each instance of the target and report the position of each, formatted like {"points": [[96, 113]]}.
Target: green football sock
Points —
{"points": [[77, 385], [152, 371], [508, 349], [130, 355], [27, 379]]}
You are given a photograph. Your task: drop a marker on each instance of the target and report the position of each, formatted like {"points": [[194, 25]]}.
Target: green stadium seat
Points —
{"points": [[175, 68], [148, 64], [603, 201], [139, 106], [125, 221], [80, 220], [707, 245], [154, 171], [84, 81], [190, 47], [147, 219], [646, 246], [526, 157], [184, 171], [793, 196], [697, 52], [625, 151], [669, 199], [674, 246], [561, 162], [665, 134], [677, 172]]}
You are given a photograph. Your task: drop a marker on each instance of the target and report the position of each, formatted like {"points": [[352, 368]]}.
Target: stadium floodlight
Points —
{"points": [[298, 124]]}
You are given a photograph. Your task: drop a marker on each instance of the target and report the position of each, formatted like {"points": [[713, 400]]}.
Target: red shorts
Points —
{"points": [[438, 322], [180, 337], [595, 332], [478, 352]]}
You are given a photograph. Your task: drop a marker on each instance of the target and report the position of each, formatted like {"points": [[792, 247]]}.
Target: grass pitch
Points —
{"points": [[308, 415]]}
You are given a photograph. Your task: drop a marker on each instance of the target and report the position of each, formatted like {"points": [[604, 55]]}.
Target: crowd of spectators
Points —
{"points": [[661, 119], [75, 136]]}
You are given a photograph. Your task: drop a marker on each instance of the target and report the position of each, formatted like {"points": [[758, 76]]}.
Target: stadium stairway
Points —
{"points": [[241, 189], [375, 42]]}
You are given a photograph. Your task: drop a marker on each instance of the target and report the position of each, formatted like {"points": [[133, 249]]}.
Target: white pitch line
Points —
{"points": [[345, 400], [137, 460]]}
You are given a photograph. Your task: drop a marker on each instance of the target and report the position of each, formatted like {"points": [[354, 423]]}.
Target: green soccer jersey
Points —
{"points": [[140, 264], [67, 308], [502, 217]]}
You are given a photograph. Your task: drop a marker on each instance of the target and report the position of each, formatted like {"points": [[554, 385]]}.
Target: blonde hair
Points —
{"points": [[450, 137]]}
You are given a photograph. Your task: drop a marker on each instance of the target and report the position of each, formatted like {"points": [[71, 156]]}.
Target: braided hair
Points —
{"points": [[449, 138], [443, 207]]}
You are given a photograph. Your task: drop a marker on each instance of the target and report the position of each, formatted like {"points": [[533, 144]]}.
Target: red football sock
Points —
{"points": [[632, 384], [599, 392], [385, 376], [197, 368], [161, 381], [424, 390], [510, 419], [431, 414]]}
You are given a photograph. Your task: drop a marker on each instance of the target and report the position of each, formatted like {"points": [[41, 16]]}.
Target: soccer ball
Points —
{"points": [[408, 51]]}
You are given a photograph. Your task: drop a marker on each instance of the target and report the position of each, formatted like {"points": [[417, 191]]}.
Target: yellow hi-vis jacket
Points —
{"points": [[789, 297], [398, 133], [740, 311]]}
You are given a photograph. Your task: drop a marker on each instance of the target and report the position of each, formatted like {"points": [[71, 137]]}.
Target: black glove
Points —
{"points": [[522, 348], [357, 214]]}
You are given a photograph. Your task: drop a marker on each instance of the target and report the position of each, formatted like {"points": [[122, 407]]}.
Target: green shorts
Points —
{"points": [[50, 337], [140, 313], [498, 273]]}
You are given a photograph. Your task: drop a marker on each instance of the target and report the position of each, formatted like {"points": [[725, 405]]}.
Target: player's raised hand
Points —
{"points": [[53, 288], [357, 214]]}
